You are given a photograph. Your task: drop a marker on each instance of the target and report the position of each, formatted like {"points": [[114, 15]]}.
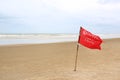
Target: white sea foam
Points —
{"points": [[44, 38], [108, 36], [35, 38]]}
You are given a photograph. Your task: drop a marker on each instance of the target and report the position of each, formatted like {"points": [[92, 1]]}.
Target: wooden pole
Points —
{"points": [[76, 58], [75, 67]]}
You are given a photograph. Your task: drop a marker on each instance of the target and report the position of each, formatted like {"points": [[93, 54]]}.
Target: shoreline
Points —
{"points": [[17, 39], [48, 42]]}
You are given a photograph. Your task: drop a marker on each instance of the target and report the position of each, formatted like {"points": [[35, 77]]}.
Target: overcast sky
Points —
{"points": [[59, 16]]}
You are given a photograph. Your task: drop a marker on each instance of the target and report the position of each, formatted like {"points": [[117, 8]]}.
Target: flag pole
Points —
{"points": [[75, 67]]}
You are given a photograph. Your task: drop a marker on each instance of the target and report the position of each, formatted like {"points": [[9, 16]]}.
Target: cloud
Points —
{"points": [[37, 7], [23, 7], [71, 6], [39, 15], [109, 1]]}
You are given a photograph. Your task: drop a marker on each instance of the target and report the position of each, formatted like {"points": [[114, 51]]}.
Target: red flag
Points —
{"points": [[89, 40]]}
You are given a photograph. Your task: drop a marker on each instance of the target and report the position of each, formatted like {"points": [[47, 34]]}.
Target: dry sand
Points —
{"points": [[55, 61]]}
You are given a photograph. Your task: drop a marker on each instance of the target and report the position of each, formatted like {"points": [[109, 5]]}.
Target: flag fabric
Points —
{"points": [[89, 40]]}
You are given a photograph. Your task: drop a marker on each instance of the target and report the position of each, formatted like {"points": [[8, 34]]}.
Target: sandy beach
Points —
{"points": [[55, 61]]}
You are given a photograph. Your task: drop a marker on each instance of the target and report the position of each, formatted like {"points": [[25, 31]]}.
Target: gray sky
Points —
{"points": [[59, 16]]}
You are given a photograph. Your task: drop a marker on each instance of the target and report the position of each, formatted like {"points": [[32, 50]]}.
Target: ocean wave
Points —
{"points": [[44, 38]]}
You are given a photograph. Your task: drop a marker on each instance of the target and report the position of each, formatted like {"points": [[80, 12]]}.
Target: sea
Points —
{"points": [[13, 39]]}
